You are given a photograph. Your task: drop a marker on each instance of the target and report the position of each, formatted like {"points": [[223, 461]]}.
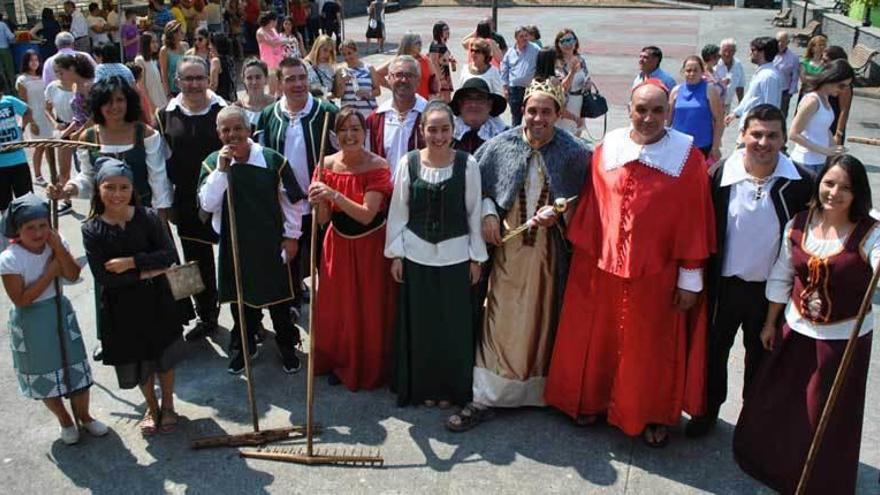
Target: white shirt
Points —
{"points": [[736, 74], [78, 25], [113, 25], [752, 243], [95, 21], [16, 260], [213, 192], [766, 87], [396, 133], [491, 76], [160, 185], [60, 99], [295, 149], [490, 128], [781, 281], [400, 242]]}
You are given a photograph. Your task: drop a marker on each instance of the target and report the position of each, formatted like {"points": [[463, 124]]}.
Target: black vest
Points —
{"points": [[437, 212]]}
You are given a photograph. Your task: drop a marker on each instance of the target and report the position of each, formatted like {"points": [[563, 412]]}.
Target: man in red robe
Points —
{"points": [[632, 335]]}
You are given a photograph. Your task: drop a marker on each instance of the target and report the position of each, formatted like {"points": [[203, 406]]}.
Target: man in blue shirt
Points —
{"points": [[15, 178], [649, 67], [8, 66], [517, 72]]}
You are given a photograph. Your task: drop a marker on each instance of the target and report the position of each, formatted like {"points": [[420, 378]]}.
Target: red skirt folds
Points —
{"points": [[624, 350], [354, 316], [782, 412]]}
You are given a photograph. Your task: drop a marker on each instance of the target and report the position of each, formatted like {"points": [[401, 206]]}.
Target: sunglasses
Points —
{"points": [[568, 40]]}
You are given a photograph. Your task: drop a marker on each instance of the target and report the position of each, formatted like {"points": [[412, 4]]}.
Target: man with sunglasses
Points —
{"points": [[188, 127]]}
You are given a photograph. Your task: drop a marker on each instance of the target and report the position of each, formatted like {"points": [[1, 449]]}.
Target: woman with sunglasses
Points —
{"points": [[571, 69], [480, 54]]}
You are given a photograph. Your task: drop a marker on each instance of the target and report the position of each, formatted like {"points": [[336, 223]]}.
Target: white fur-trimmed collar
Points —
{"points": [[177, 101], [418, 107], [667, 155], [735, 169], [491, 128], [256, 157]]}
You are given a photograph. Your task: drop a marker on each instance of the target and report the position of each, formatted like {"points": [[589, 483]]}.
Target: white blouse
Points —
{"points": [[491, 76], [400, 242], [156, 175], [781, 281]]}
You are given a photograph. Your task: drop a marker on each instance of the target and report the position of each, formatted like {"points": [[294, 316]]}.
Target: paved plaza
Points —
{"points": [[524, 451]]}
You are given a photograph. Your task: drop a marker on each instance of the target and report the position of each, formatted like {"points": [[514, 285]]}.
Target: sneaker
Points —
{"points": [[202, 329], [65, 207], [69, 434], [236, 364], [98, 353], [96, 428], [40, 181], [290, 363]]}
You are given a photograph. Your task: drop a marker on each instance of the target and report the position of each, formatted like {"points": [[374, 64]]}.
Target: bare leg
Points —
{"points": [[79, 402], [56, 405], [169, 416], [65, 157], [151, 418], [38, 161]]}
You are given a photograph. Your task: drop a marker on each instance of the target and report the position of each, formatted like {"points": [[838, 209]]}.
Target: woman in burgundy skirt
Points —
{"points": [[824, 268]]}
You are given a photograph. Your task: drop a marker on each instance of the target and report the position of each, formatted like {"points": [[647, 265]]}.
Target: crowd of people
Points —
{"points": [[463, 260]]}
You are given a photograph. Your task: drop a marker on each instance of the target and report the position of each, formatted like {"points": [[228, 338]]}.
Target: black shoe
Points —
{"points": [[699, 426], [333, 380], [98, 353], [290, 363], [202, 329], [236, 364]]}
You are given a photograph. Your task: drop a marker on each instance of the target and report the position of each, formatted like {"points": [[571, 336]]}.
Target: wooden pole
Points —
{"points": [[239, 300], [59, 313], [313, 262], [839, 380]]}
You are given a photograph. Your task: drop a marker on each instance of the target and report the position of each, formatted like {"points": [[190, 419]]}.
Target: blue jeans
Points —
{"points": [[515, 96], [812, 168]]}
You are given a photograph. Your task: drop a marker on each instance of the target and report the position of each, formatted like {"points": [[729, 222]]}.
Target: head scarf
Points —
{"points": [[108, 167], [22, 210]]}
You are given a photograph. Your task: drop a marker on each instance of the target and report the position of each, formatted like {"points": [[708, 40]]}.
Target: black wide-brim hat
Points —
{"points": [[478, 85]]}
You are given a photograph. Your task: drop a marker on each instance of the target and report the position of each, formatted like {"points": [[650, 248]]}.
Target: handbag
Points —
{"points": [[185, 280], [594, 105], [372, 24]]}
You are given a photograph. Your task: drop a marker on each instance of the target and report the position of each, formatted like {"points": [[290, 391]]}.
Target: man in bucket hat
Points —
{"points": [[477, 112]]}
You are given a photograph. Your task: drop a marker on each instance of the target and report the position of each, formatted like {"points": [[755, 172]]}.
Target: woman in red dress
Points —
{"points": [[354, 312]]}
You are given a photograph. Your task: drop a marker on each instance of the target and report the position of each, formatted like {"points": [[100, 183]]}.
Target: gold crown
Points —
{"points": [[547, 87]]}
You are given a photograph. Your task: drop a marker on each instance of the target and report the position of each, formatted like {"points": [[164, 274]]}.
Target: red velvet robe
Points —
{"points": [[622, 347]]}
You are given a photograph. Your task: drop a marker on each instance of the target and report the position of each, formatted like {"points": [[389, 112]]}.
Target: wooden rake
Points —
{"points": [[310, 455], [46, 143]]}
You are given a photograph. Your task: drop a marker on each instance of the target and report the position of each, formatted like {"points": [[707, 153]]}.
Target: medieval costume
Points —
{"points": [[139, 319], [643, 232], [434, 226], [354, 311], [822, 282], [747, 211], [265, 194], [528, 272], [390, 138], [469, 139], [37, 355], [298, 138], [191, 137]]}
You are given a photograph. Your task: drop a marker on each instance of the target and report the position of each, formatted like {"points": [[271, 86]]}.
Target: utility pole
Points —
{"points": [[494, 15]]}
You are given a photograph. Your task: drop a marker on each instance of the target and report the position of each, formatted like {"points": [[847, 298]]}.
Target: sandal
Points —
{"points": [[469, 416], [148, 424], [649, 436], [168, 421]]}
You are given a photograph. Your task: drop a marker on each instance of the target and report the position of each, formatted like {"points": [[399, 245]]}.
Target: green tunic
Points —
{"points": [[260, 228]]}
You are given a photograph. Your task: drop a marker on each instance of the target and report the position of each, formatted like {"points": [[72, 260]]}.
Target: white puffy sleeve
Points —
{"points": [[473, 203], [781, 278], [398, 212]]}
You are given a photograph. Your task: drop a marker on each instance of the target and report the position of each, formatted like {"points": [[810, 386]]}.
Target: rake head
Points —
{"points": [[352, 457], [46, 143]]}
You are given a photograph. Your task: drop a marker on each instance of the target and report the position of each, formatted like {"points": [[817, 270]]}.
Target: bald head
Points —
{"points": [[782, 40], [648, 109]]}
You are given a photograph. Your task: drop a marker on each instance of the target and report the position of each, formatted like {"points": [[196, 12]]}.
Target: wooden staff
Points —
{"points": [[839, 378], [864, 140], [239, 300], [313, 262], [56, 282]]}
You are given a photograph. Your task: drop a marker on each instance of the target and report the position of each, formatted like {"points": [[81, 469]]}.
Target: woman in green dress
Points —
{"points": [[434, 239]]}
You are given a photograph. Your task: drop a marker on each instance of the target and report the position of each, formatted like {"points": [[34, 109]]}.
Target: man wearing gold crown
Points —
{"points": [[632, 333], [523, 171]]}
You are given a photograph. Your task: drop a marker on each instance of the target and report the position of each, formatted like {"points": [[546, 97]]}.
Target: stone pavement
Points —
{"points": [[527, 451]]}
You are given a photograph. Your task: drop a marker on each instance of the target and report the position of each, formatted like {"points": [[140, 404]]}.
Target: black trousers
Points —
{"points": [[15, 181], [738, 303], [300, 267], [286, 334], [206, 301], [784, 104]]}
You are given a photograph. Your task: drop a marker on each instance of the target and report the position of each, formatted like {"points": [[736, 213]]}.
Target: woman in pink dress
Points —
{"points": [[271, 47]]}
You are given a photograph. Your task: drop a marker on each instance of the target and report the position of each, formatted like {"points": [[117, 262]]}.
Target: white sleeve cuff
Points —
{"points": [[690, 279], [489, 208]]}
